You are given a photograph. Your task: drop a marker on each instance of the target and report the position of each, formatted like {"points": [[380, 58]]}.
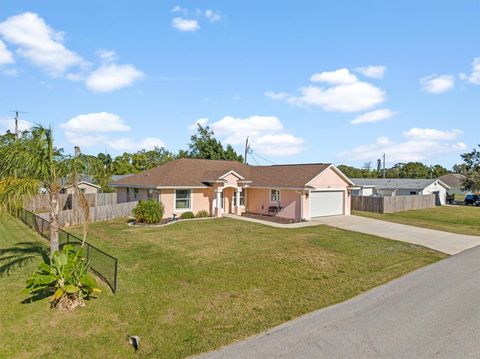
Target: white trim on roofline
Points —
{"points": [[231, 172]]}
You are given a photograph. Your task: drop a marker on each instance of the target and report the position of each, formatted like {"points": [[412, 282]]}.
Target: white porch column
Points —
{"points": [[218, 204], [237, 199]]}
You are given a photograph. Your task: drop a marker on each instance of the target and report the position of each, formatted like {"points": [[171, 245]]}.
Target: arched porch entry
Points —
{"points": [[227, 200]]}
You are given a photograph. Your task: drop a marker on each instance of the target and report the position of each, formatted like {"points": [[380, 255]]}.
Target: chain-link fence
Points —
{"points": [[102, 264]]}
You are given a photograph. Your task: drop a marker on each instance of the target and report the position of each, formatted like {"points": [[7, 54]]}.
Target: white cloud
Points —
{"points": [[373, 116], [6, 57], [107, 56], [376, 72], [179, 9], [358, 96], [9, 124], [337, 77], [112, 77], [127, 144], [437, 83], [95, 129], [39, 43], [201, 121], [431, 134], [212, 16], [266, 133], [95, 122], [418, 145], [277, 95], [346, 93], [474, 77], [182, 24]]}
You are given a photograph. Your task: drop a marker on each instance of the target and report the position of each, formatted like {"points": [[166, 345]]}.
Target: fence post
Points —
{"points": [[115, 278]]}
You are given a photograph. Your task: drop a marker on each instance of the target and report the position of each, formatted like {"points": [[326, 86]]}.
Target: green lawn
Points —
{"points": [[195, 286], [455, 219]]}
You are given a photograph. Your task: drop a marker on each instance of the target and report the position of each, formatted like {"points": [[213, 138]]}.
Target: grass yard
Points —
{"points": [[195, 286], [455, 219]]}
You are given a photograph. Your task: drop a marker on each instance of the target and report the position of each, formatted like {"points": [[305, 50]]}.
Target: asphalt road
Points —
{"points": [[433, 312]]}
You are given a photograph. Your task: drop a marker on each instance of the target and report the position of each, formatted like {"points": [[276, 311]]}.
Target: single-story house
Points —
{"points": [[400, 187], [84, 187], [455, 181], [298, 191]]}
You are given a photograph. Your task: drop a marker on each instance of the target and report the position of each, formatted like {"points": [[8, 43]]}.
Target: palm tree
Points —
{"points": [[32, 163]]}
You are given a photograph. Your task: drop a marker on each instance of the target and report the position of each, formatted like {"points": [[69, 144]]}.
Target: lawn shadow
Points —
{"points": [[16, 257]]}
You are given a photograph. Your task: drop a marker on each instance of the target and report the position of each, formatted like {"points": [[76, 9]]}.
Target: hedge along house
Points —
{"points": [[297, 192]]}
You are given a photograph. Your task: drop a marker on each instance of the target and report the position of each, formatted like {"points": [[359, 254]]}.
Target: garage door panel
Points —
{"points": [[326, 203]]}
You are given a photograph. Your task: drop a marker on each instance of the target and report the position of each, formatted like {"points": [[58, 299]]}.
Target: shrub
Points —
{"points": [[66, 277], [202, 214], [187, 215], [148, 212]]}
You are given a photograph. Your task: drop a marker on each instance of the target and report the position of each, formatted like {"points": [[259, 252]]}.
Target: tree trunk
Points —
{"points": [[54, 246]]}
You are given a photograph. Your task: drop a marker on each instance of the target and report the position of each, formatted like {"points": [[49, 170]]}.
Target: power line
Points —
{"points": [[254, 158], [263, 158]]}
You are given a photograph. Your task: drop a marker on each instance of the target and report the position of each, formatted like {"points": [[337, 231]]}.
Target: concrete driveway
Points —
{"points": [[433, 312], [445, 242]]}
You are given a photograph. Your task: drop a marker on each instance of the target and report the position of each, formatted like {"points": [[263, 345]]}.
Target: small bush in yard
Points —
{"points": [[148, 212], [187, 215], [202, 214], [66, 278]]}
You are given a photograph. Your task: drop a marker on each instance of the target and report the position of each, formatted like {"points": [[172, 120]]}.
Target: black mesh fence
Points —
{"points": [[101, 263]]}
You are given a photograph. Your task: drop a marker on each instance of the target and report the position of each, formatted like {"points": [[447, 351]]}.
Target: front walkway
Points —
{"points": [[432, 312], [450, 243]]}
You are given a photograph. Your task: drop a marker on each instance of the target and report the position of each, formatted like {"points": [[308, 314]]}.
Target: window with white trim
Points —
{"points": [[242, 198], [183, 199], [274, 195]]}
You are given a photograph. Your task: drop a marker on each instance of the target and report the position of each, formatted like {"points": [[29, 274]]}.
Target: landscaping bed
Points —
{"points": [[270, 218]]}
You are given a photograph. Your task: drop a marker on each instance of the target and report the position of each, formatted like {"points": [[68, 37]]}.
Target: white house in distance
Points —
{"points": [[400, 187]]}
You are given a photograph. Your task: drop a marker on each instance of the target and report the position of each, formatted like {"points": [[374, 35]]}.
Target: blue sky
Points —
{"points": [[308, 81]]}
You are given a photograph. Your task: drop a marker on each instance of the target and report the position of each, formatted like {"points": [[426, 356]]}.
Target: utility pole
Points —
{"points": [[247, 147], [16, 122], [384, 165]]}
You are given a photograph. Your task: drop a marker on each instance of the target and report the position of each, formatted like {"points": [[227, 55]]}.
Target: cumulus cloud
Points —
{"points": [[344, 93], [267, 134], [111, 77], [373, 116], [95, 122], [96, 129], [337, 77], [201, 121], [212, 16], [277, 95], [376, 72], [354, 97], [418, 144], [39, 43], [185, 25], [6, 57], [8, 124], [437, 83], [474, 76]]}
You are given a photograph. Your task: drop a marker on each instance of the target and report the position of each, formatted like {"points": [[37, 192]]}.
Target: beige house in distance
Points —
{"points": [[84, 187], [297, 191]]}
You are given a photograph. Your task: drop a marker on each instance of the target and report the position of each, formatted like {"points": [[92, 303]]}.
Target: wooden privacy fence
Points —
{"points": [[40, 202], [97, 214], [390, 204]]}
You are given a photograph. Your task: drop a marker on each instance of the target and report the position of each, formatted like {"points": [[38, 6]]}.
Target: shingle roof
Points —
{"points": [[453, 179], [186, 172], [393, 183]]}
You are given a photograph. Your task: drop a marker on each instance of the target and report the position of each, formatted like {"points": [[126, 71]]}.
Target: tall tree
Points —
{"points": [[32, 162], [471, 169], [203, 144]]}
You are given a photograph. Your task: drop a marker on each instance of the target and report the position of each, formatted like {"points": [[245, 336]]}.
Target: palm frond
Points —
{"points": [[14, 190]]}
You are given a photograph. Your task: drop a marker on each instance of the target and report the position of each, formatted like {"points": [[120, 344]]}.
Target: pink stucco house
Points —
{"points": [[298, 191]]}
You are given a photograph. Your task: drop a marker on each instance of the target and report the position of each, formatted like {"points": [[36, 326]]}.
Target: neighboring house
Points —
{"points": [[83, 187], [400, 187], [292, 191], [455, 181]]}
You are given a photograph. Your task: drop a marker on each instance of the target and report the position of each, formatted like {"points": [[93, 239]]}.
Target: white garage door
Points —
{"points": [[326, 203]]}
